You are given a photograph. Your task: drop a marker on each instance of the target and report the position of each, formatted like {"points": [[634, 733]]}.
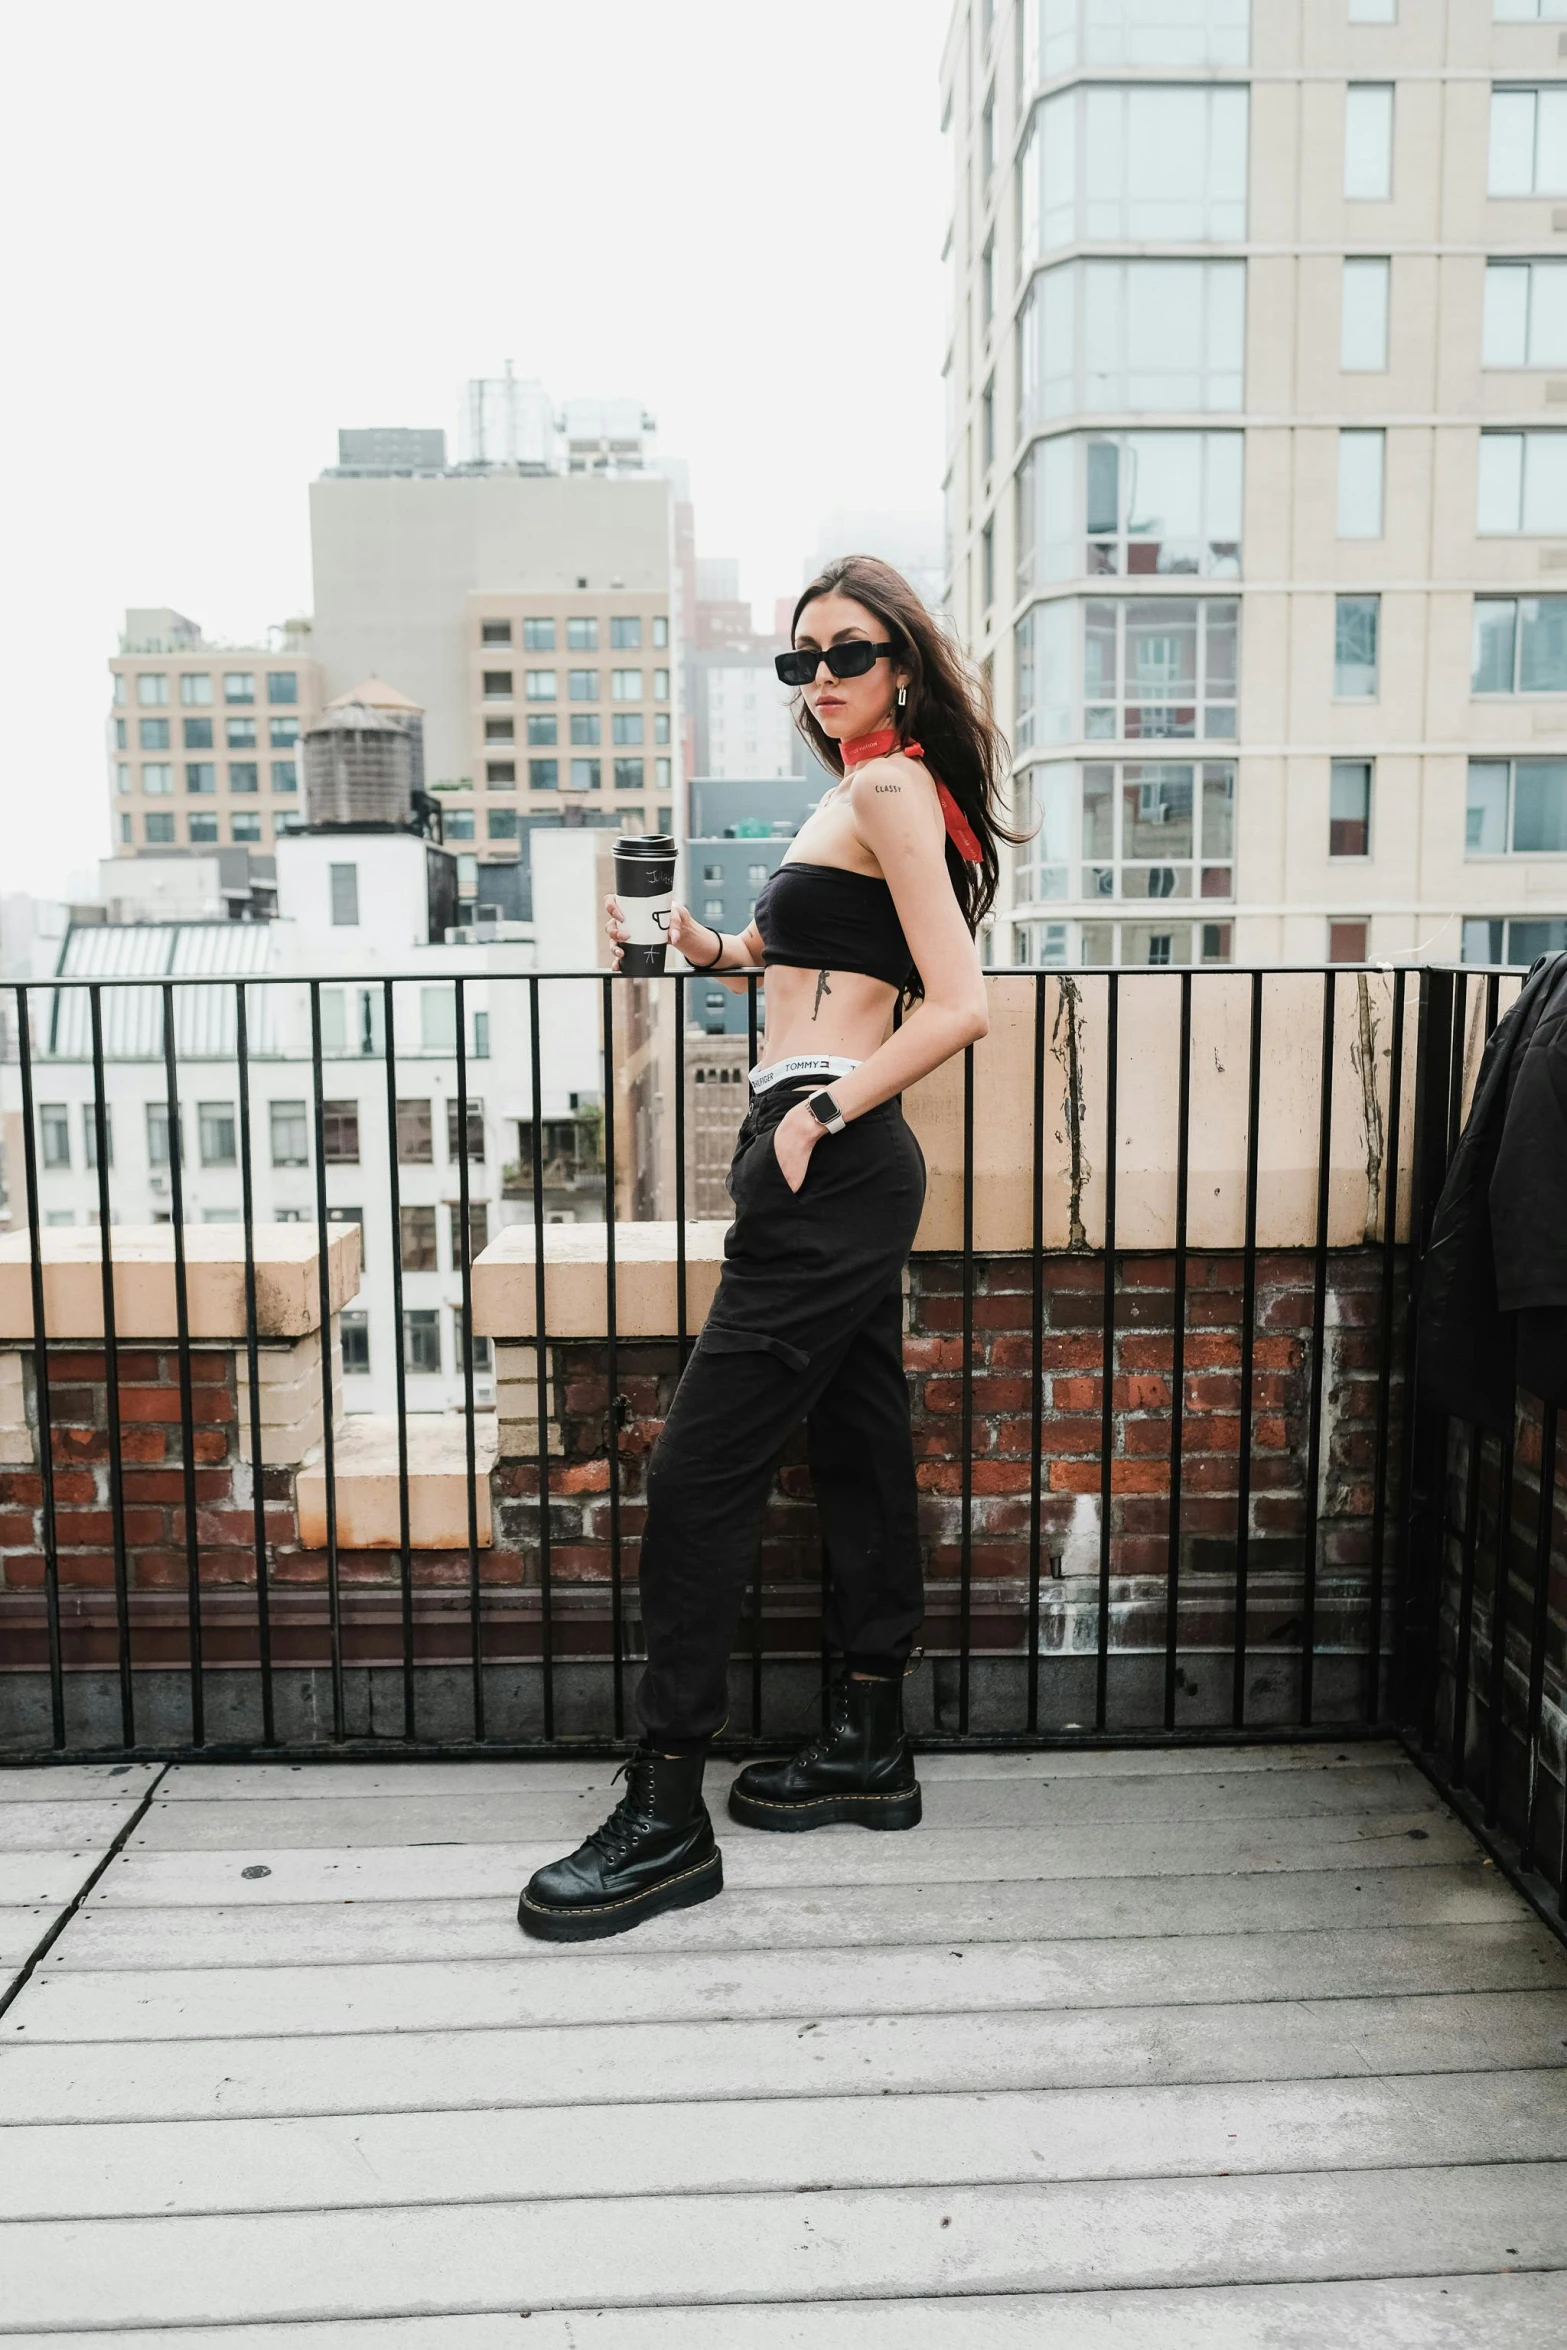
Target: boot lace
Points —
{"points": [[632, 1815]]}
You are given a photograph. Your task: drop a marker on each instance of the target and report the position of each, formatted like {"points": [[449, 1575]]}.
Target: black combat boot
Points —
{"points": [[860, 1769], [654, 1852]]}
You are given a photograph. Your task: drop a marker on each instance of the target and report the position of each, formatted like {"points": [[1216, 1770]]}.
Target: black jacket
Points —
{"points": [[1493, 1292]]}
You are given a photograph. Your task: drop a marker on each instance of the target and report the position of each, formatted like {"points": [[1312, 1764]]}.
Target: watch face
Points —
{"points": [[824, 1108]]}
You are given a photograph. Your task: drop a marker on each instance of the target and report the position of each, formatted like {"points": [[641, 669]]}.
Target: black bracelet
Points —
{"points": [[717, 959]]}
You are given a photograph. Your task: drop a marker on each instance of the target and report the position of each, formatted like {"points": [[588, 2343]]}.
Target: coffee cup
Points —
{"points": [[645, 886]]}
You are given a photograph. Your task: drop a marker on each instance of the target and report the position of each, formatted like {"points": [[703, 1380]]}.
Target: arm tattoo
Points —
{"points": [[822, 989], [886, 787]]}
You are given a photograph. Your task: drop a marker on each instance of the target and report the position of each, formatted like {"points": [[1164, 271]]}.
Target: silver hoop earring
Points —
{"points": [[903, 697]]}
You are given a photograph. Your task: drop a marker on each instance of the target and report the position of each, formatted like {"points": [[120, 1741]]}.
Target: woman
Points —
{"points": [[878, 899]]}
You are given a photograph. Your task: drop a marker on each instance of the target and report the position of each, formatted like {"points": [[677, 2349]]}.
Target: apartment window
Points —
{"points": [[628, 775], [122, 741], [54, 1134], [660, 632], [158, 782], [582, 636], [122, 778], [152, 734], [500, 774], [285, 775], [282, 733], [215, 1133], [625, 685], [987, 566], [481, 1036], [340, 1133], [1373, 11], [542, 726], [1122, 163], [663, 775], [290, 1134], [583, 685], [1055, 35], [1361, 459], [498, 684], [197, 733], [712, 909], [119, 686], [1356, 620], [244, 776], [478, 1231], [1368, 141], [500, 730], [239, 686], [240, 734], [538, 636], [245, 825], [344, 883], [585, 729], [1348, 942], [457, 824], [540, 685], [987, 283], [626, 726], [1152, 668], [625, 633], [157, 1134], [159, 828], [90, 1138], [1132, 335], [127, 829], [1529, 11], [475, 1130], [1525, 314], [585, 774], [415, 1135], [1516, 808], [500, 824], [544, 774], [196, 690], [1520, 645], [201, 777], [1529, 142], [495, 632], [282, 686], [202, 829], [1140, 829], [416, 1249], [1522, 483], [661, 728], [152, 689], [1514, 942], [661, 685], [483, 1359], [354, 1331], [987, 138], [422, 1339], [1127, 503], [1349, 808], [1363, 317]]}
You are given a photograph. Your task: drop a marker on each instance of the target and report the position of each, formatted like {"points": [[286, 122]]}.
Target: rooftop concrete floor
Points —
{"points": [[1188, 2051]]}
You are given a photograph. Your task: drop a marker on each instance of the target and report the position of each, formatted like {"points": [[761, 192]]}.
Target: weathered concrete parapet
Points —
{"points": [[288, 1299]]}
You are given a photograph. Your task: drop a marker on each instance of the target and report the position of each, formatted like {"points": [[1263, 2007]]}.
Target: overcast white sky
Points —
{"points": [[232, 228]]}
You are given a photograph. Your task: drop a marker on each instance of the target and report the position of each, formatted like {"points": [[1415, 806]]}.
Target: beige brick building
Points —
{"points": [[204, 739], [1257, 502]]}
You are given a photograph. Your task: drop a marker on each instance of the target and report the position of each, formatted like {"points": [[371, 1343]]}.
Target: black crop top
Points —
{"points": [[823, 917]]}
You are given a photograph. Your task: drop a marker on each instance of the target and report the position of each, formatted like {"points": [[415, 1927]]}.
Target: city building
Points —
{"points": [[203, 739], [527, 614], [739, 832], [1254, 509]]}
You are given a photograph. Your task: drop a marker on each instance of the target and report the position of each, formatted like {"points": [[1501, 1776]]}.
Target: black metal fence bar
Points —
{"points": [[111, 1376], [171, 1111], [394, 1198], [1036, 1466], [470, 1431], [258, 1490], [1372, 1704], [1183, 1155], [1248, 1353], [966, 1438], [1319, 1348], [612, 1367], [541, 1374], [1107, 1354], [43, 1405], [328, 1433]]}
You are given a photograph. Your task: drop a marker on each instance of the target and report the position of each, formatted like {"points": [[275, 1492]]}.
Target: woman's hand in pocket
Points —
{"points": [[794, 1139]]}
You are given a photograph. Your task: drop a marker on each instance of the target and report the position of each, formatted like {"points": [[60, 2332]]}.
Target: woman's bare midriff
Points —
{"points": [[839, 1012]]}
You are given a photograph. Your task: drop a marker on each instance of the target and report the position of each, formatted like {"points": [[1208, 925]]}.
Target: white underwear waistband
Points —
{"points": [[800, 1065]]}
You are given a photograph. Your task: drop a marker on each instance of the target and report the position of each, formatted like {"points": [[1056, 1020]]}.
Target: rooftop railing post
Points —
{"points": [[394, 1195], [1036, 1468], [541, 1374], [1319, 1347], [198, 1731], [111, 1379], [328, 1434], [1107, 1356], [1371, 1710], [1422, 1513], [470, 1440], [44, 1402], [1248, 1339], [1172, 1596], [258, 1497]]}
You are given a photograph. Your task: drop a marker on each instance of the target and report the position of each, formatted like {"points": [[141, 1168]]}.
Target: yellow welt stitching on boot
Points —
{"points": [[546, 1909]]}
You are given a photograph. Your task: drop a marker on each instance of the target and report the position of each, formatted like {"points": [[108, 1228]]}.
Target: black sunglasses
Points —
{"points": [[851, 660]]}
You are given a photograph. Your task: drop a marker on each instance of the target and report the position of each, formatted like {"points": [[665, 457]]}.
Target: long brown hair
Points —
{"points": [[948, 713]]}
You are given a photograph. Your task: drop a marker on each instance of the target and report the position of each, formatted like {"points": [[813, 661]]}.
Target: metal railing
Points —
{"points": [[1391, 1638]]}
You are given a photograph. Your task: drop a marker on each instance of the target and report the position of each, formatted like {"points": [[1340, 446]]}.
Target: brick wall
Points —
{"points": [[1071, 1353]]}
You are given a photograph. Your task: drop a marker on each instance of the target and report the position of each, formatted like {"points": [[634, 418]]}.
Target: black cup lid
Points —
{"points": [[646, 844]]}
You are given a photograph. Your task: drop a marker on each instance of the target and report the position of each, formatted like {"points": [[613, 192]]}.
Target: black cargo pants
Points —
{"points": [[807, 1324]]}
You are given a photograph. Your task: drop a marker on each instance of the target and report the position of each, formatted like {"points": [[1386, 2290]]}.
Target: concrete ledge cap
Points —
{"points": [[364, 1479], [575, 1257], [287, 1280]]}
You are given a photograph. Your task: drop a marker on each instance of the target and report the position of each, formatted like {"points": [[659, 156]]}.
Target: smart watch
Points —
{"points": [[826, 1111]]}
